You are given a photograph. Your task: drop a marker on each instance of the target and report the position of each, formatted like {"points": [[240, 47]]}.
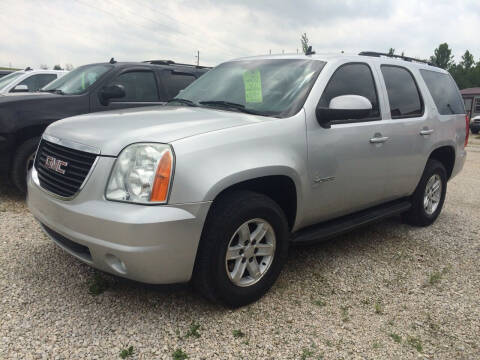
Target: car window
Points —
{"points": [[174, 82], [35, 82], [444, 92], [7, 79], [477, 105], [352, 79], [140, 86], [403, 94]]}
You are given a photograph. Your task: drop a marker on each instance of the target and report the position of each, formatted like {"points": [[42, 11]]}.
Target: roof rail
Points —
{"points": [[170, 62], [405, 58]]}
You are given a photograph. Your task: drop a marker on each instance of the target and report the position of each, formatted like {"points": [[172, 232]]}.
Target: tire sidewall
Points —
{"points": [[225, 288], [19, 172], [434, 167]]}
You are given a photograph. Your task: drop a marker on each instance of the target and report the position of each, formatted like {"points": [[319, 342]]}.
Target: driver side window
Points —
{"points": [[352, 79]]}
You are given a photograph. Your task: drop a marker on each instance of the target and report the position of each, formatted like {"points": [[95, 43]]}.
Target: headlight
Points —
{"points": [[142, 174]]}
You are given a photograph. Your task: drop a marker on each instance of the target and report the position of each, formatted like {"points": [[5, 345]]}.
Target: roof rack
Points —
{"points": [[405, 58], [170, 62]]}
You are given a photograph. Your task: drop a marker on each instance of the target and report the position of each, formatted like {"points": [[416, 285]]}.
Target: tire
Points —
{"points": [[231, 215], [420, 214], [24, 155]]}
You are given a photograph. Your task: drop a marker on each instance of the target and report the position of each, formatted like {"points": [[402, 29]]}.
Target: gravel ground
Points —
{"points": [[388, 291]]}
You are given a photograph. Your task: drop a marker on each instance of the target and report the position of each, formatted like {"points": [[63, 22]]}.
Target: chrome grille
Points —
{"points": [[66, 179]]}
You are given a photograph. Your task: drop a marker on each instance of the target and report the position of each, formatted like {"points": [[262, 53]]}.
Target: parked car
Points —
{"points": [[475, 124], [28, 80], [89, 88], [257, 154], [5, 72]]}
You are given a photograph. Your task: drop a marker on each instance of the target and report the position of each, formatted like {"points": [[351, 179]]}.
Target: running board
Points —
{"points": [[332, 228]]}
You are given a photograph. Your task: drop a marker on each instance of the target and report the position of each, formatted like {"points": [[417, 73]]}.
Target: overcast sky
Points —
{"points": [[84, 31]]}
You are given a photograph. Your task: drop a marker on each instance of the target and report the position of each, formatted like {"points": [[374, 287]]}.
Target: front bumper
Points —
{"points": [[151, 244]]}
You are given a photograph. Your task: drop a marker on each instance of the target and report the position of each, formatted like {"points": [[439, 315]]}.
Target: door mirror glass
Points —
{"points": [[111, 92], [20, 88], [344, 107]]}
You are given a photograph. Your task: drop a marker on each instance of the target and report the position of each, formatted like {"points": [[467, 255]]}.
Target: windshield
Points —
{"points": [[269, 87], [77, 81], [4, 81]]}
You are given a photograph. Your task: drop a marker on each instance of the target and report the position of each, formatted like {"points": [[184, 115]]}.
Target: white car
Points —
{"points": [[28, 80]]}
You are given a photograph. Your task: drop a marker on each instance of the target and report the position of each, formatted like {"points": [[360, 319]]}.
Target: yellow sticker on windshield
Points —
{"points": [[253, 86]]}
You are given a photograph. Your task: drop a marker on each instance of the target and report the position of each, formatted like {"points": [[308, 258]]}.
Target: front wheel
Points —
{"points": [[428, 198], [243, 248], [23, 162]]}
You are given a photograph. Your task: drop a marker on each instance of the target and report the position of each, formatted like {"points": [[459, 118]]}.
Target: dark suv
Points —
{"points": [[89, 88]]}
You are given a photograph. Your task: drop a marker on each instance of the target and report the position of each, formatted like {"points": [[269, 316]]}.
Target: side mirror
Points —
{"points": [[343, 107], [20, 88], [111, 92]]}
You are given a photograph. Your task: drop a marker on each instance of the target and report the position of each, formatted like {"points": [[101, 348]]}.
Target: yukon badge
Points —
{"points": [[55, 164]]}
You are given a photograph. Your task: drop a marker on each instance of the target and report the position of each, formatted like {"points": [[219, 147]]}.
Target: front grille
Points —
{"points": [[69, 244], [66, 178]]}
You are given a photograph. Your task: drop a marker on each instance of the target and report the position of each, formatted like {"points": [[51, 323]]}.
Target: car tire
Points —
{"points": [[22, 162], [233, 218], [427, 200]]}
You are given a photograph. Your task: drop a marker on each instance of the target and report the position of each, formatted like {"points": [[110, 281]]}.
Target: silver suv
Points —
{"points": [[258, 154]]}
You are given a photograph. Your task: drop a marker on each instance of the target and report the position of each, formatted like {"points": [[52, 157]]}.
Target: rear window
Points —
{"points": [[403, 95], [444, 92]]}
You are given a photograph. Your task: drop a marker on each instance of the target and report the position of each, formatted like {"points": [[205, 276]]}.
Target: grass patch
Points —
{"points": [[437, 276], [126, 352], [397, 338], [97, 284], [319, 302], [193, 331], [376, 345], [344, 312], [415, 342], [378, 308], [238, 333], [306, 353], [179, 354]]}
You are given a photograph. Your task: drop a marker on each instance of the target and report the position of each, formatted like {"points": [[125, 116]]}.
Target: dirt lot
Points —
{"points": [[388, 291]]}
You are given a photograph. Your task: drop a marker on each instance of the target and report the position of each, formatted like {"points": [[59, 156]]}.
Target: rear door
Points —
{"points": [[411, 128]]}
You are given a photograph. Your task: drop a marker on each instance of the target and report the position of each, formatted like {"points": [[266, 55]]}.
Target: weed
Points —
{"points": [[415, 342], [179, 354], [97, 285], [378, 308], [306, 353], [329, 343], [126, 352], [345, 316], [437, 276], [320, 302], [397, 338], [376, 345], [238, 333], [193, 331]]}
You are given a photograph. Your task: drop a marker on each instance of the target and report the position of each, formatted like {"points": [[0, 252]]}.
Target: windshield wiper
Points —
{"points": [[232, 105], [182, 101]]}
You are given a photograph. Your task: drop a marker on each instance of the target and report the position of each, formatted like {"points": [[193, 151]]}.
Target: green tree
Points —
{"points": [[57, 67], [391, 51], [304, 41], [442, 57], [467, 61]]}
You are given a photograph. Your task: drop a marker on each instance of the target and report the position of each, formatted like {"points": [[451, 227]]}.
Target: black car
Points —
{"points": [[89, 88]]}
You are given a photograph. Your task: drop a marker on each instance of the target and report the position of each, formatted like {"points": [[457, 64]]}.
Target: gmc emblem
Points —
{"points": [[55, 164]]}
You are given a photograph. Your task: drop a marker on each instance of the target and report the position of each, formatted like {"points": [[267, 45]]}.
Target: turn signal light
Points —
{"points": [[162, 178]]}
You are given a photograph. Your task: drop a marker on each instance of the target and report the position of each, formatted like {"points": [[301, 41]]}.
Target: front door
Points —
{"points": [[347, 163]]}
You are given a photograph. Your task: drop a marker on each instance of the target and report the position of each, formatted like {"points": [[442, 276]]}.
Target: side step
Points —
{"points": [[332, 228]]}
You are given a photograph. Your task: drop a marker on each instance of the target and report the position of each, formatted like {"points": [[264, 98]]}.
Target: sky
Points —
{"points": [[78, 32]]}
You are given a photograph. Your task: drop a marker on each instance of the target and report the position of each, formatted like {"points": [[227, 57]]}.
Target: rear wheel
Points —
{"points": [[429, 196], [243, 248], [23, 162]]}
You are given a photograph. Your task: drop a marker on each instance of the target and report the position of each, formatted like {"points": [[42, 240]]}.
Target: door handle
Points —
{"points": [[379, 140], [426, 131]]}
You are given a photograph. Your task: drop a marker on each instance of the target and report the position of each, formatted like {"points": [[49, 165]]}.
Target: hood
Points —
{"points": [[111, 131]]}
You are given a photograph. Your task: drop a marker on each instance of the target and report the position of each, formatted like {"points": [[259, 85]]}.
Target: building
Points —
{"points": [[471, 98]]}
